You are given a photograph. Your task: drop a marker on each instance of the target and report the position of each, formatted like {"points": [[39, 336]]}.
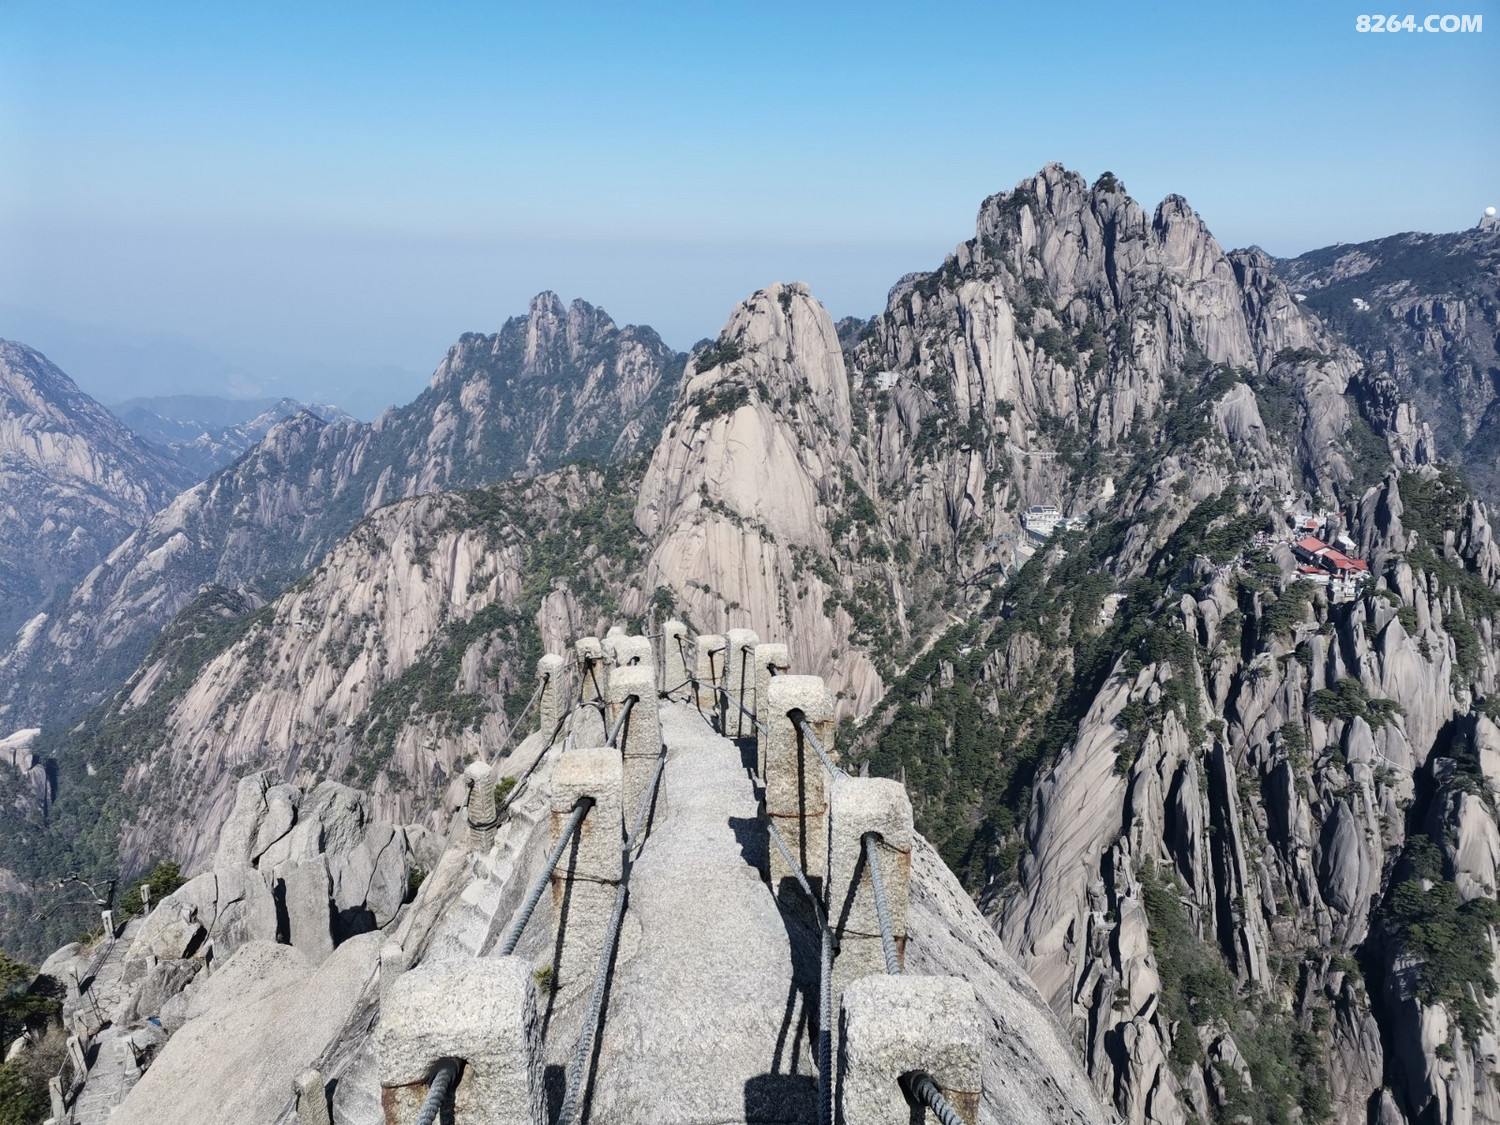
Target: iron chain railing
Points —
{"points": [[882, 908], [927, 1091]]}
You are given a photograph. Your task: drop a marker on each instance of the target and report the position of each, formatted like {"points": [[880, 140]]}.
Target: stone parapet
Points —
{"points": [[739, 681], [584, 882], [479, 806], [710, 672], [481, 1011], [593, 682], [796, 782], [551, 704], [674, 636], [639, 741], [769, 660], [893, 1026], [857, 807]]}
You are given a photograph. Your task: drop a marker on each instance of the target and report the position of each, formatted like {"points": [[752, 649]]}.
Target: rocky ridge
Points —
{"points": [[74, 480], [275, 960], [1427, 308], [562, 383]]}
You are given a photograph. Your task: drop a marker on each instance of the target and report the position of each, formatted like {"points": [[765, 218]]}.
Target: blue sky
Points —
{"points": [[328, 193]]}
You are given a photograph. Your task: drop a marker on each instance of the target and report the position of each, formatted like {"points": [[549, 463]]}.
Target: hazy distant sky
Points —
{"points": [[350, 186]]}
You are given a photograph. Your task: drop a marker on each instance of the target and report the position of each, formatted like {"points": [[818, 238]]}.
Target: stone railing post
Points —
{"points": [[674, 660], [585, 880], [892, 1026], [709, 670], [481, 1011], [796, 782], [739, 679], [549, 704], [639, 742], [593, 678], [479, 807], [770, 660], [632, 652], [857, 807], [608, 646]]}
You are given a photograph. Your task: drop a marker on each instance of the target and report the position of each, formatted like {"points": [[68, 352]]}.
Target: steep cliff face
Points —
{"points": [[1017, 373], [745, 493], [1427, 308], [558, 384], [74, 481], [1213, 808], [1220, 871]]}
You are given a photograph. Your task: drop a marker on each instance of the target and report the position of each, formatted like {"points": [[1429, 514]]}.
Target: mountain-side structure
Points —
{"points": [[324, 953], [1148, 585]]}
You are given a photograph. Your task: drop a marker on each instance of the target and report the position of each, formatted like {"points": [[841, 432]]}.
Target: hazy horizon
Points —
{"points": [[206, 200]]}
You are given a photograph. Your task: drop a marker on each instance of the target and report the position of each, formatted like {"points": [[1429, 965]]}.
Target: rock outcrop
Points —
{"points": [[75, 482], [1040, 524], [562, 383], [1426, 307]]}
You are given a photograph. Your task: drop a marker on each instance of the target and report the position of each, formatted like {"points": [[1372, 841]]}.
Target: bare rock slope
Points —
{"points": [[74, 482]]}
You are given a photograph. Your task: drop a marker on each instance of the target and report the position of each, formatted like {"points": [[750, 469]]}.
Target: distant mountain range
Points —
{"points": [[205, 433], [1426, 307], [562, 383]]}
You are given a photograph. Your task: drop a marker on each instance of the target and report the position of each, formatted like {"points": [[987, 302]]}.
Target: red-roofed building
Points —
{"points": [[1330, 560]]}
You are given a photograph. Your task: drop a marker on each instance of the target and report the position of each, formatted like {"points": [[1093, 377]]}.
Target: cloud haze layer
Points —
{"points": [[355, 187]]}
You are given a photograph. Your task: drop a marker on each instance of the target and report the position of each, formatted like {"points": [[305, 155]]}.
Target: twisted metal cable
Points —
{"points": [[534, 895], [797, 871], [640, 817], [437, 1091], [807, 732], [578, 1067], [825, 1030], [825, 982], [749, 714], [882, 908], [630, 702], [510, 730], [927, 1090]]}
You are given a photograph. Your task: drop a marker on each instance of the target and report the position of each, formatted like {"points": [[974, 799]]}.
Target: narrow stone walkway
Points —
{"points": [[708, 1013]]}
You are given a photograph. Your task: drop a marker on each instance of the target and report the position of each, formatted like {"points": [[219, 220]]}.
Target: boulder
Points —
{"points": [[306, 893], [238, 1061], [237, 839], [162, 981]]}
